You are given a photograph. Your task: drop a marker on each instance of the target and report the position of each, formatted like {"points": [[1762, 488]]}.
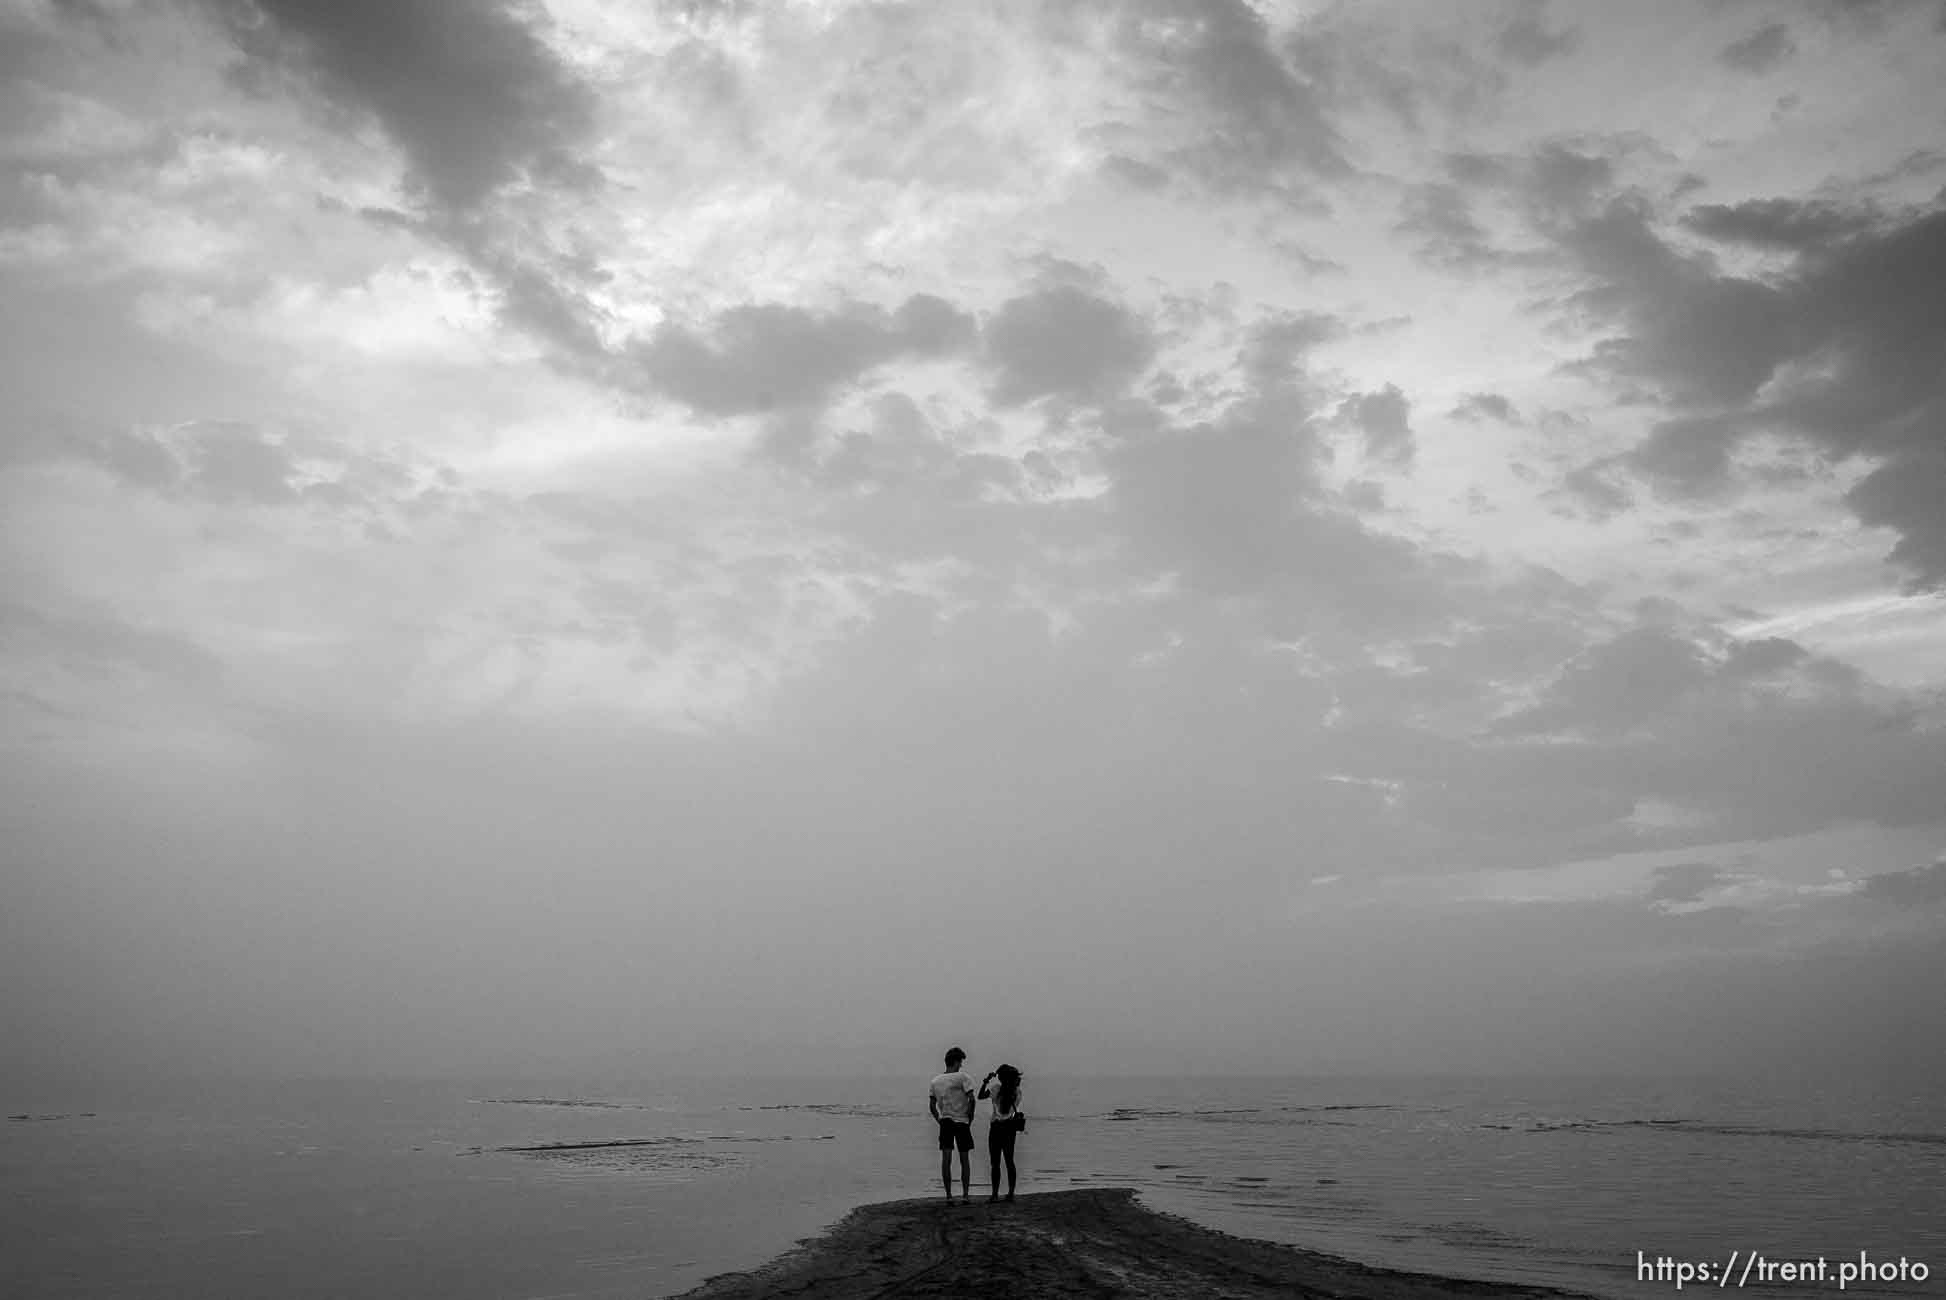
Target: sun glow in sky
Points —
{"points": [[1250, 535]]}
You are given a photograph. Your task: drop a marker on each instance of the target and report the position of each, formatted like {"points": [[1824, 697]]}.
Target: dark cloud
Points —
{"points": [[1764, 657], [1659, 713], [1760, 51], [1259, 123], [543, 302], [1919, 886], [467, 90], [1653, 671], [1136, 173], [1685, 882], [1064, 341], [767, 357], [1478, 169], [1359, 58], [138, 458], [903, 483], [1215, 500], [933, 326], [221, 462], [1864, 17], [1617, 686], [104, 643], [1918, 162], [1365, 496], [1558, 181], [1553, 186], [1527, 39], [135, 456], [233, 464], [1441, 216], [1841, 349], [1594, 487], [1688, 457], [1349, 65], [898, 446], [1872, 311], [476, 101], [1232, 508], [1384, 418], [1908, 493], [1789, 224], [1275, 348], [1479, 406], [1699, 337], [1870, 320], [26, 38]]}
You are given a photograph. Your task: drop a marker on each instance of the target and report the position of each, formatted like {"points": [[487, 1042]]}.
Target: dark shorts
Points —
{"points": [[955, 1133], [1000, 1138]]}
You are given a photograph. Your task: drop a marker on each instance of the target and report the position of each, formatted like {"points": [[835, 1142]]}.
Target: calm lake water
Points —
{"points": [[407, 1189]]}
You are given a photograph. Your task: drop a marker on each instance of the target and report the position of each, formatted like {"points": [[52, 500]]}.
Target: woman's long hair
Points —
{"points": [[1009, 1095]]}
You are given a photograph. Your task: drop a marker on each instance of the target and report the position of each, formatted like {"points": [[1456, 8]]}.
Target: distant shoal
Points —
{"points": [[1087, 1242]]}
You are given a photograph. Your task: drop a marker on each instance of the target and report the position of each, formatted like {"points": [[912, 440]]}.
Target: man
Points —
{"points": [[952, 1106]]}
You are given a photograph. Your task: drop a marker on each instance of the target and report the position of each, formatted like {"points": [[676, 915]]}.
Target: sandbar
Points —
{"points": [[1096, 1242]]}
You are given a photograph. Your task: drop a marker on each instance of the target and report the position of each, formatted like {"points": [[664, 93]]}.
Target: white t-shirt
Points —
{"points": [[954, 1093], [993, 1093]]}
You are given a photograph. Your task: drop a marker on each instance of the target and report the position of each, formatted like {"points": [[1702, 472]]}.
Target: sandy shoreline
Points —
{"points": [[1088, 1242]]}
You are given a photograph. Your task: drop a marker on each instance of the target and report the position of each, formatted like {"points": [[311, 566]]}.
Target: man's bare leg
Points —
{"points": [[946, 1171], [966, 1174]]}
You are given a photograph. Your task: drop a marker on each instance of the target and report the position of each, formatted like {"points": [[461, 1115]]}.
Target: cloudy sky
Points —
{"points": [[1179, 534]]}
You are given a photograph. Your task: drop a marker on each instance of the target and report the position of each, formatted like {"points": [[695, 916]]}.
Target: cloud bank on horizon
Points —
{"points": [[1281, 535]]}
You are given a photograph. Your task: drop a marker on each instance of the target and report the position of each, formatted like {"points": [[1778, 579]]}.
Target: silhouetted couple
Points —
{"points": [[952, 1101]]}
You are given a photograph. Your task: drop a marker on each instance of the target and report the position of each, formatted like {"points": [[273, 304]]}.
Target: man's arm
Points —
{"points": [[932, 1104]]}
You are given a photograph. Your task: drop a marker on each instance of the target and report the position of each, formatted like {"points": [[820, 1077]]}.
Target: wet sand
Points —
{"points": [[1091, 1242]]}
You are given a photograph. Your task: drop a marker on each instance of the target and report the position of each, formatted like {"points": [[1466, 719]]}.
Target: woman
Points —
{"points": [[1006, 1125]]}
